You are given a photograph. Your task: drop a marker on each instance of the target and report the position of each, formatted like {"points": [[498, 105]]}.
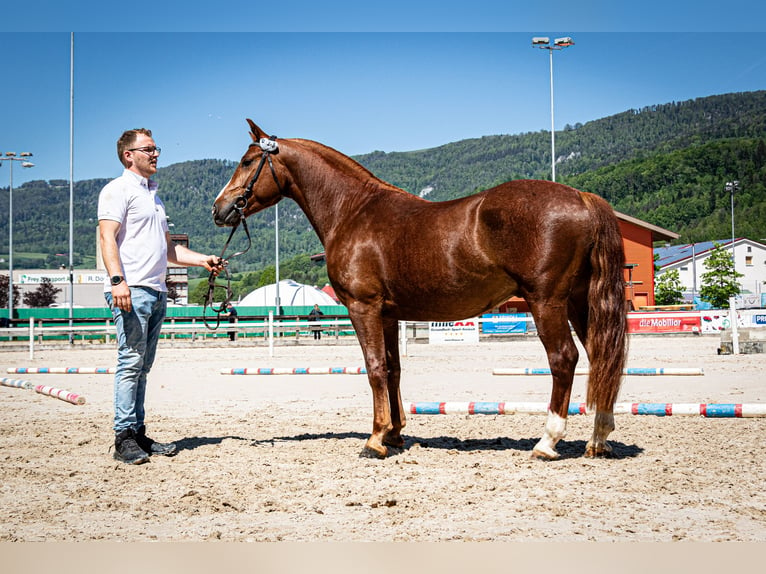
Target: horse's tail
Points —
{"points": [[606, 340]]}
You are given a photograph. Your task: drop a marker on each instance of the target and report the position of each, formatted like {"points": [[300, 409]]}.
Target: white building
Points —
{"points": [[290, 293], [689, 260]]}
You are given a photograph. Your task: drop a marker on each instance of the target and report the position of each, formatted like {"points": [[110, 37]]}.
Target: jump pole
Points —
{"points": [[61, 394], [636, 371], [61, 370], [707, 410], [295, 371], [17, 383]]}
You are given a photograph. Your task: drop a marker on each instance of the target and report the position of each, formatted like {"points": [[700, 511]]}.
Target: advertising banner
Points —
{"points": [[453, 332], [497, 327], [663, 323]]}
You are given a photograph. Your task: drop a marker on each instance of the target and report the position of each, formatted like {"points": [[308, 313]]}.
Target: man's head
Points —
{"points": [[138, 152]]}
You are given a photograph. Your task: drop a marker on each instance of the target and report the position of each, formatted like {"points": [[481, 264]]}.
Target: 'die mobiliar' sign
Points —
{"points": [[449, 332]]}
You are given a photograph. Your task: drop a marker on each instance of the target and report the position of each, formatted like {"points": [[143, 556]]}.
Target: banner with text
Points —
{"points": [[663, 323], [453, 332]]}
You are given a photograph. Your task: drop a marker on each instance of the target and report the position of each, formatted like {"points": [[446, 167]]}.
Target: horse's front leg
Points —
{"points": [[393, 365], [369, 331]]}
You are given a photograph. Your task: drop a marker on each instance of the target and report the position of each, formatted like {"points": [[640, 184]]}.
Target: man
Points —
{"points": [[316, 315], [231, 312], [136, 247]]}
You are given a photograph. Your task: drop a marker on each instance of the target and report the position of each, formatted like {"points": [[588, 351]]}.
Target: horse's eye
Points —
{"points": [[246, 162]]}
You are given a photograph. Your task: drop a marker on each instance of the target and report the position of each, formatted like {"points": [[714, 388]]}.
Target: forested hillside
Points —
{"points": [[666, 164]]}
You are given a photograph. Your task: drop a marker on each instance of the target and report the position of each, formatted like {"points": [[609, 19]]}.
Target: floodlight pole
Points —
{"points": [[277, 302], [731, 187], [23, 158], [71, 189], [558, 44]]}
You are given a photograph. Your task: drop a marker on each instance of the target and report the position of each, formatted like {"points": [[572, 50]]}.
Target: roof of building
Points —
{"points": [[678, 253], [658, 233]]}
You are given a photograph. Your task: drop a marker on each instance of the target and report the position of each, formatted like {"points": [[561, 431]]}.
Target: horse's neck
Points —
{"points": [[331, 187]]}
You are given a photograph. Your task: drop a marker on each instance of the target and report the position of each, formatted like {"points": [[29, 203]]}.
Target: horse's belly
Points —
{"points": [[448, 302]]}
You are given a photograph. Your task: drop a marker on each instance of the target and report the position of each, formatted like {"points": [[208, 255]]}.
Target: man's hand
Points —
{"points": [[214, 264], [121, 297]]}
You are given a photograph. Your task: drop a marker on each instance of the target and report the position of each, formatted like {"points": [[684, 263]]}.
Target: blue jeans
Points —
{"points": [[137, 336]]}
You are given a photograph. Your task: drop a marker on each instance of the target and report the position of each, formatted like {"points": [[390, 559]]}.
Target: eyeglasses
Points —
{"points": [[148, 150]]}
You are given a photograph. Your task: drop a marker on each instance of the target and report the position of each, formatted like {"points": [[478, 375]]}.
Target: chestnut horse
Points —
{"points": [[392, 256]]}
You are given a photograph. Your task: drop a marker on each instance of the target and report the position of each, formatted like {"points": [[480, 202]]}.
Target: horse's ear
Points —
{"points": [[255, 132]]}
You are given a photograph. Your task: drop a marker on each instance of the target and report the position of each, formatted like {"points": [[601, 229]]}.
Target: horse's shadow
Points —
{"points": [[567, 449]]}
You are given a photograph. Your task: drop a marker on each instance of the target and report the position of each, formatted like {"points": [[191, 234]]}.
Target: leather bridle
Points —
{"points": [[269, 147]]}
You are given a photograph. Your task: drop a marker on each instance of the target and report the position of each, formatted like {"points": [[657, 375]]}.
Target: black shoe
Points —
{"points": [[126, 448], [152, 446]]}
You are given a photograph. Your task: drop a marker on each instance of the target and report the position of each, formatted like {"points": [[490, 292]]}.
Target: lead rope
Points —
{"points": [[211, 280], [269, 146]]}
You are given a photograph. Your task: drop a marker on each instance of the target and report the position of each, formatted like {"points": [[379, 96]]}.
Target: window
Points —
{"points": [[749, 260]]}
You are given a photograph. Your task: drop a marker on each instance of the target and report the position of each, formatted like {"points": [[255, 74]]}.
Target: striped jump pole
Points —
{"points": [[17, 383], [637, 371], [61, 394], [62, 370], [707, 410], [295, 371]]}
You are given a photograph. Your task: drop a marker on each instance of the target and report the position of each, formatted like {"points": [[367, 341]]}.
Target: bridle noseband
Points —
{"points": [[270, 147]]}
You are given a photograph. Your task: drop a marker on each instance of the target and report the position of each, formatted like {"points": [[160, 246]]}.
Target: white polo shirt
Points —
{"points": [[131, 200]]}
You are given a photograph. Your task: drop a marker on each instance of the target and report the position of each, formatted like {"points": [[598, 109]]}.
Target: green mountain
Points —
{"points": [[665, 164]]}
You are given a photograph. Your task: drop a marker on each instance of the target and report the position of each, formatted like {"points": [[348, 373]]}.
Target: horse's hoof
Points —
{"points": [[374, 451], [600, 451], [394, 441], [543, 455]]}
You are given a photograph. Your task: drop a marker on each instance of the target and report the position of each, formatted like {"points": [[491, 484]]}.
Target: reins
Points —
{"points": [[269, 147]]}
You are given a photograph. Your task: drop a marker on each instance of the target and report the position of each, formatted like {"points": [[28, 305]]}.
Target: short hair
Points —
{"points": [[127, 139]]}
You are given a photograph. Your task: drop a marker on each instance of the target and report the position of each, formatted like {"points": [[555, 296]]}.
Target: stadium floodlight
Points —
{"points": [[11, 156], [544, 43]]}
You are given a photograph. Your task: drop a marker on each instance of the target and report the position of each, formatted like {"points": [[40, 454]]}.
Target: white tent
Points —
{"points": [[290, 293]]}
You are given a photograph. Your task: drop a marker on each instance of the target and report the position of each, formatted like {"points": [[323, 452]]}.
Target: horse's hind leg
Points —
{"points": [[398, 418], [604, 420], [553, 330], [597, 445]]}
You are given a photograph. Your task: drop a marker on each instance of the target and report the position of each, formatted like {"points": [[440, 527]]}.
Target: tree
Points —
{"points": [[668, 289], [720, 281], [43, 296], [4, 292]]}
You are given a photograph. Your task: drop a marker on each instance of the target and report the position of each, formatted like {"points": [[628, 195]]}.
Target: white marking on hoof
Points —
{"points": [[555, 430]]}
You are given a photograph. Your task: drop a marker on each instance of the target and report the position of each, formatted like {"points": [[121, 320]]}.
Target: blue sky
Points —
{"points": [[357, 76]]}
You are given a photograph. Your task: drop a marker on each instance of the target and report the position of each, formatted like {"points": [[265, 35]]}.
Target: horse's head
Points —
{"points": [[254, 185]]}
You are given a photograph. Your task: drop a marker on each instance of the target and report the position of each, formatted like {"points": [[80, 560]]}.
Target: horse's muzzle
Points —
{"points": [[226, 217]]}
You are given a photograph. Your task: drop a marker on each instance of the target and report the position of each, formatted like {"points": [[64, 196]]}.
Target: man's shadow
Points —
{"points": [[190, 443], [567, 449]]}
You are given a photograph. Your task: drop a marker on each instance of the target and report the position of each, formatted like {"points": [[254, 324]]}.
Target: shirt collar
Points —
{"points": [[144, 182]]}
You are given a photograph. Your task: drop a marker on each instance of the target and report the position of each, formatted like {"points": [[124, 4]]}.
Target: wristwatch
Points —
{"points": [[117, 279]]}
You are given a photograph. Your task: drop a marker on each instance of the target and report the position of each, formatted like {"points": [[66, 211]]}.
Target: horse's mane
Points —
{"points": [[349, 165]]}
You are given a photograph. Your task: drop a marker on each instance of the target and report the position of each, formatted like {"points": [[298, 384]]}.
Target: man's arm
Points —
{"points": [[107, 234], [181, 255]]}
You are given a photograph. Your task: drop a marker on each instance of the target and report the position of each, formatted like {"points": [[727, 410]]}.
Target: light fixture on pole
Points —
{"points": [[544, 43], [22, 157], [731, 187]]}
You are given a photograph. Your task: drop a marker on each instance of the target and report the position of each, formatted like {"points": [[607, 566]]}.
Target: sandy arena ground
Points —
{"points": [[277, 458]]}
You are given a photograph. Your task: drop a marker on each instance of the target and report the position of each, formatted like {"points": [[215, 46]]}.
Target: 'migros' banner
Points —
{"points": [[663, 323]]}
